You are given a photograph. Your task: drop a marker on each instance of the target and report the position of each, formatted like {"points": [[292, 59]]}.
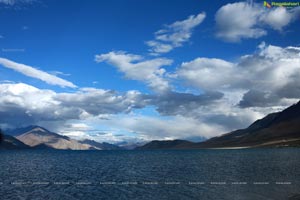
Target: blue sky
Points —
{"points": [[142, 70]]}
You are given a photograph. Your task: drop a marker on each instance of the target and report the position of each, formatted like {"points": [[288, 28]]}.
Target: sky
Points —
{"points": [[131, 70]]}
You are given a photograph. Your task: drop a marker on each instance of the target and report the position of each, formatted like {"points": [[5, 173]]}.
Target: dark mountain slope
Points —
{"points": [[276, 129], [9, 142]]}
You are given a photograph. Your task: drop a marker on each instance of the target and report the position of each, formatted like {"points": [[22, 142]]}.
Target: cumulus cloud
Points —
{"points": [[268, 77], [258, 98], [280, 17], [175, 103], [236, 21], [274, 74], [208, 73], [175, 34], [97, 101], [22, 104], [135, 67], [36, 73]]}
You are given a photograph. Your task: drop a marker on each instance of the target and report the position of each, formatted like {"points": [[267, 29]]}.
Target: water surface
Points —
{"points": [[247, 174]]}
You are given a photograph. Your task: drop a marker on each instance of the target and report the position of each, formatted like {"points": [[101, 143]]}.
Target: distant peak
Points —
{"points": [[39, 129], [32, 126]]}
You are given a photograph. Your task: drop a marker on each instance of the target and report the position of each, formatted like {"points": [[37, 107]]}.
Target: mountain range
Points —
{"points": [[275, 130], [40, 138]]}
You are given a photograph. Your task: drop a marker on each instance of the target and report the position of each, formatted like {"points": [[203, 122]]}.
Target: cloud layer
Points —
{"points": [[22, 105], [231, 95]]}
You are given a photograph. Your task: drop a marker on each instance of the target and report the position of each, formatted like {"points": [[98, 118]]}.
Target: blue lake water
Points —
{"points": [[248, 174]]}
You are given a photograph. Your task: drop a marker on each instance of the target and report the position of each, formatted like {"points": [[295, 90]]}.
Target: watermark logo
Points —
{"points": [[267, 5], [13, 50], [285, 4]]}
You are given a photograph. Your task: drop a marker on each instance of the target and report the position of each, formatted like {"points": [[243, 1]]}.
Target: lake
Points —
{"points": [[245, 174]]}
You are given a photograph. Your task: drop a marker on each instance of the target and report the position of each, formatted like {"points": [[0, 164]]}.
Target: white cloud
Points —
{"points": [[158, 47], [280, 17], [236, 21], [22, 104], [266, 78], [35, 73], [176, 103], [136, 68], [208, 73], [175, 34], [55, 73], [98, 101]]}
